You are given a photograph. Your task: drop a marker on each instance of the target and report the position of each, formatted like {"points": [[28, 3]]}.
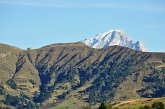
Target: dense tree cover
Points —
{"points": [[32, 81], [2, 91], [62, 96], [103, 89], [45, 90], [111, 76], [12, 84], [156, 82], [155, 105], [105, 106], [158, 105], [19, 102]]}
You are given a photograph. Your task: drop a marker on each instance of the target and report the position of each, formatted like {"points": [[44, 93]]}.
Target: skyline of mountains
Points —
{"points": [[114, 37], [101, 40]]}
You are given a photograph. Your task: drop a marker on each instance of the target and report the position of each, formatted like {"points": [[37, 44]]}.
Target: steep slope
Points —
{"points": [[26, 77], [114, 37], [58, 72], [76, 65], [8, 59], [19, 77]]}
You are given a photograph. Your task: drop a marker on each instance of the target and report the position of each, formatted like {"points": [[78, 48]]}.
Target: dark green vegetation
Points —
{"points": [[155, 105], [54, 73], [105, 106]]}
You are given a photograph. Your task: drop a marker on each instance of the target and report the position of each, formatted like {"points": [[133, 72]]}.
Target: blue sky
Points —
{"points": [[35, 23]]}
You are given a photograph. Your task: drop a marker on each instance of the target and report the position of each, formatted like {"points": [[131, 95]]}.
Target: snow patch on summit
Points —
{"points": [[114, 37]]}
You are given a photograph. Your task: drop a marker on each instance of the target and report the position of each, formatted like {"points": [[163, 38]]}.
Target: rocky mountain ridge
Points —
{"points": [[114, 37]]}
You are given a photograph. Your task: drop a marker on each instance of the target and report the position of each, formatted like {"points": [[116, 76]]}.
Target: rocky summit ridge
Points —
{"points": [[114, 37]]}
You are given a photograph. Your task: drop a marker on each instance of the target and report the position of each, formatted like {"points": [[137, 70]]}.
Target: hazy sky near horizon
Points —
{"points": [[36, 23]]}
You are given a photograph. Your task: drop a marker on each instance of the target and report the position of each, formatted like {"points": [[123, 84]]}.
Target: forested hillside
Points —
{"points": [[33, 78]]}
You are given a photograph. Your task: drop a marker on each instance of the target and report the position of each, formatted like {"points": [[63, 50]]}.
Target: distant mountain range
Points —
{"points": [[114, 37]]}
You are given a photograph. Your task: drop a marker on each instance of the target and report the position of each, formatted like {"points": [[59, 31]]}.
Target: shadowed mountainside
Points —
{"points": [[75, 71]]}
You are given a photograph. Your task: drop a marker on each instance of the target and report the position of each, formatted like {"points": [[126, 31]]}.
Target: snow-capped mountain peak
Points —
{"points": [[114, 37]]}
